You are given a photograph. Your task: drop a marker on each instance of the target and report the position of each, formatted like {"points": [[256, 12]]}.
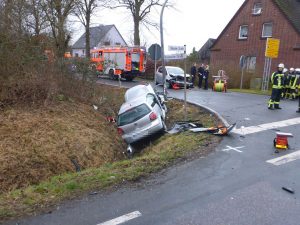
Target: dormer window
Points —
{"points": [[257, 8], [243, 34]]}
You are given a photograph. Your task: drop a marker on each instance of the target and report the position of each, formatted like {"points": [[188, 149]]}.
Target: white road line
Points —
{"points": [[266, 126], [229, 148], [122, 219], [285, 159]]}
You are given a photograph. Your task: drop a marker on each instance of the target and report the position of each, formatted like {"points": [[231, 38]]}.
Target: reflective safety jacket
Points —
{"points": [[277, 80], [293, 81]]}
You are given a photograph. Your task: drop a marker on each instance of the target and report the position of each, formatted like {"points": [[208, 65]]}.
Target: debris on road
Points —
{"points": [[288, 190], [197, 127]]}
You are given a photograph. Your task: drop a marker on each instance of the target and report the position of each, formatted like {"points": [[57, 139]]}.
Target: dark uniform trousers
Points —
{"points": [[277, 81]]}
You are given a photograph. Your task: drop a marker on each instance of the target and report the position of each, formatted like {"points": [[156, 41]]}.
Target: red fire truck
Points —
{"points": [[124, 62]]}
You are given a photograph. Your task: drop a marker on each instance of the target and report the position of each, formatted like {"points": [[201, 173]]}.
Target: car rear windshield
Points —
{"points": [[133, 115]]}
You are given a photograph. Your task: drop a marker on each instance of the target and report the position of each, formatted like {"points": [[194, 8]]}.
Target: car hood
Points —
{"points": [[179, 75]]}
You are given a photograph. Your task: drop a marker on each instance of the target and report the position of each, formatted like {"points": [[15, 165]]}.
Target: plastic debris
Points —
{"points": [[95, 107], [111, 119], [288, 190], [197, 127]]}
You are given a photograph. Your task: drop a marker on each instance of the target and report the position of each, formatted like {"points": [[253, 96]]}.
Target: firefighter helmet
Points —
{"points": [[281, 65], [292, 69]]}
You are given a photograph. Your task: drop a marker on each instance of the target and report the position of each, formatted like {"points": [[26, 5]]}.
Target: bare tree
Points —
{"points": [[140, 10], [57, 12], [83, 11], [36, 20], [13, 13]]}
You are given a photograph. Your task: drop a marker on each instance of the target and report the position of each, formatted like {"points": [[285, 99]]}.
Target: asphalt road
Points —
{"points": [[234, 185]]}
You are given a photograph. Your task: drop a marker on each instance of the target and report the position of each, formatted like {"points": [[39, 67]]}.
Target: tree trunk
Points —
{"points": [[137, 32], [87, 36]]}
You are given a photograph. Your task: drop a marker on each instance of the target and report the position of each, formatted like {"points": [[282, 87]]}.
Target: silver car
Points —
{"points": [[142, 114], [174, 77]]}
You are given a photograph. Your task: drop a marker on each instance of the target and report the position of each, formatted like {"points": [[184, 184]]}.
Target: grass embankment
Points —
{"points": [[75, 131], [251, 91]]}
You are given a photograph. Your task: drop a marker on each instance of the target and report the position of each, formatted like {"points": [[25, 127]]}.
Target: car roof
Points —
{"points": [[138, 91]]}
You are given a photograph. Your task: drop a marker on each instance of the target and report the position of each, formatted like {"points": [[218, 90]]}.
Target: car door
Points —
{"points": [[155, 105]]}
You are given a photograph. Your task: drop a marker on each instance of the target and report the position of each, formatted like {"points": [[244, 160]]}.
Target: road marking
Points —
{"points": [[122, 219], [229, 148], [285, 159], [266, 126]]}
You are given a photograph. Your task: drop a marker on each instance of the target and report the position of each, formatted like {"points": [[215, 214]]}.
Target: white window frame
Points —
{"points": [[257, 8], [263, 29], [243, 37]]}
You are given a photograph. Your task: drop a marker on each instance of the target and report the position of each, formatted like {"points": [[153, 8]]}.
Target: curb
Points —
{"points": [[224, 121]]}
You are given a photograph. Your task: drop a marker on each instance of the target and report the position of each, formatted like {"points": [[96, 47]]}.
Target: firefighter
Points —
{"points": [[276, 80], [285, 83], [293, 86]]}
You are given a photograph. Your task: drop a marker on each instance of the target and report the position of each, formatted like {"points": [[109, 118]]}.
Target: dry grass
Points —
{"points": [[39, 143]]}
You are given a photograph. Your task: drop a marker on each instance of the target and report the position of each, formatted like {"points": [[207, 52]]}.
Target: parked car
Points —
{"points": [[142, 114], [174, 77]]}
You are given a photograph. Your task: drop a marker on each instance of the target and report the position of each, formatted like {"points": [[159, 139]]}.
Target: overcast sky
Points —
{"points": [[191, 23]]}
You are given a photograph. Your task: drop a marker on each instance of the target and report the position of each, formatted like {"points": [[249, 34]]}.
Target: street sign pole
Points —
{"points": [[242, 65], [155, 58], [185, 111], [162, 48]]}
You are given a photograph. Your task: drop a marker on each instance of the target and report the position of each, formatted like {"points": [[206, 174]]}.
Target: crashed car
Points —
{"points": [[142, 114], [174, 77]]}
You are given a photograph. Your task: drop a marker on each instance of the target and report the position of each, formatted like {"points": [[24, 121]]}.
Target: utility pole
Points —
{"points": [[185, 111], [162, 48]]}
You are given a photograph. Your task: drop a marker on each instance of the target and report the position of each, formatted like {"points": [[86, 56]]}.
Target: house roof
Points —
{"points": [[291, 9], [96, 35], [204, 52]]}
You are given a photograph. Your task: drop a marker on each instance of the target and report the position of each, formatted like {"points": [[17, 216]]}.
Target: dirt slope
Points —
{"points": [[38, 143]]}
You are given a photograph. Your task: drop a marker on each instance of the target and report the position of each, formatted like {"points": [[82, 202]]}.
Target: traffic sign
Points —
{"points": [[175, 56], [243, 62], [176, 48], [272, 48], [155, 51]]}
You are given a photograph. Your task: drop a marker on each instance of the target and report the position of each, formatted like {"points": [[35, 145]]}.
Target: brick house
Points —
{"points": [[246, 34]]}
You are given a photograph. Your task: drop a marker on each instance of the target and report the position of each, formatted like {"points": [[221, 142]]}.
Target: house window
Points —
{"points": [[257, 8], [118, 43], [107, 43], [243, 34], [267, 30]]}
